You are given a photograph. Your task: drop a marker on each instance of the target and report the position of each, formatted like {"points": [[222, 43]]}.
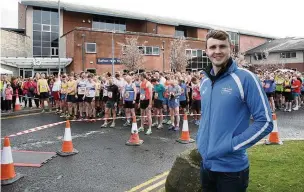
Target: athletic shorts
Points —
{"points": [[97, 98], [110, 104], [183, 104], [62, 97], [165, 101], [270, 94], [71, 99], [302, 93], [278, 92], [137, 98], [288, 96], [196, 105], [44, 95], [129, 105], [158, 104], [144, 104], [88, 99], [80, 98], [295, 94], [173, 103], [105, 98], [56, 95]]}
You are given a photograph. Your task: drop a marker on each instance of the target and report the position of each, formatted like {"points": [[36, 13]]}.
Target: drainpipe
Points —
{"points": [[83, 51]]}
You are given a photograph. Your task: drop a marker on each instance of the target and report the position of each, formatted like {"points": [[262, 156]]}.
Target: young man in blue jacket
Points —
{"points": [[230, 95]]}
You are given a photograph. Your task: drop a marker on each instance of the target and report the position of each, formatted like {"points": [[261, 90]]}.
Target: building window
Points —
{"points": [[93, 71], [260, 56], [235, 40], [155, 51], [288, 55], [145, 50], [198, 60], [180, 31], [90, 47], [45, 32], [109, 24]]}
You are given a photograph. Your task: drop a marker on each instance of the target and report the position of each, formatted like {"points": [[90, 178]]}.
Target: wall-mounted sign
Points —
{"points": [[108, 61]]}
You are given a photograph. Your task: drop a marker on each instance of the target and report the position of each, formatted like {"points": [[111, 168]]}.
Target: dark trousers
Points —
{"points": [[224, 181], [28, 99], [36, 100], [3, 107], [8, 105]]}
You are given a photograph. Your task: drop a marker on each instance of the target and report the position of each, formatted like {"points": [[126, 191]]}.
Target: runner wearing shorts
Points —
{"points": [[173, 103], [183, 97], [90, 98], [287, 93], [196, 99], [145, 103], [158, 99], [56, 93], [111, 104], [43, 91], [81, 89], [129, 97], [71, 99], [63, 95]]}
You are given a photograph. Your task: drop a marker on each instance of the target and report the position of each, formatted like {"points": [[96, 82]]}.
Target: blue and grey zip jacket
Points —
{"points": [[228, 101]]}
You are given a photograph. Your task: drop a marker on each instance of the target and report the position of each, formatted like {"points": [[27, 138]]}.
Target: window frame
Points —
{"points": [[86, 47], [54, 48], [50, 26]]}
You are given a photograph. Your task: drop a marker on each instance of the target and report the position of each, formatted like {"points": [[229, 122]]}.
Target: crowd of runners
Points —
{"points": [[158, 98]]}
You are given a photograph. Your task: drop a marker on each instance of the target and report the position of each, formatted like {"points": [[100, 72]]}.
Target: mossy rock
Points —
{"points": [[185, 173]]}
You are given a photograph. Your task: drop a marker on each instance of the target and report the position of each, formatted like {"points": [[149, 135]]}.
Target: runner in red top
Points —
{"points": [[145, 102], [296, 91]]}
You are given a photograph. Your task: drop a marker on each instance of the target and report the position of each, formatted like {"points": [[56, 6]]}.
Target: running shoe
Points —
{"points": [[169, 122], [176, 128], [141, 129], [127, 123], [160, 126], [104, 125], [112, 125], [154, 124], [149, 132], [171, 127]]}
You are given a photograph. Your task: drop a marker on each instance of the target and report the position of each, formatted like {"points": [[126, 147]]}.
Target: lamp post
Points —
{"points": [[163, 50], [59, 68], [113, 52]]}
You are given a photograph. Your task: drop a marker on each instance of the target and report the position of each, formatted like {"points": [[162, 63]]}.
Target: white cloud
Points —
{"points": [[268, 17]]}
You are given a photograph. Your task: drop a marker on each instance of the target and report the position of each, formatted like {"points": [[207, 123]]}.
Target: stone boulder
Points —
{"points": [[185, 173]]}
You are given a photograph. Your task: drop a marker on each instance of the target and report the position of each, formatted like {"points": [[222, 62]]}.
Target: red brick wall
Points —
{"points": [[104, 44], [135, 25], [201, 33], [72, 20], [250, 42], [151, 27], [21, 16], [298, 66], [166, 29]]}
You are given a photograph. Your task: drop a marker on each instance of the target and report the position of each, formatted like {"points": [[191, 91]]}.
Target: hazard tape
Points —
{"points": [[78, 120], [35, 129]]}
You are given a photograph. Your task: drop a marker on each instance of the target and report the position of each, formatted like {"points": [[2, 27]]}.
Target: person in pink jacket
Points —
{"points": [[9, 97]]}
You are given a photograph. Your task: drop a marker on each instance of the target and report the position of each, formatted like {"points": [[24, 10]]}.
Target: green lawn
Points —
{"points": [[277, 168]]}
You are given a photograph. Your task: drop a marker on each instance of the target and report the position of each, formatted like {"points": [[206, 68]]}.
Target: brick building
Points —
{"points": [[86, 36]]}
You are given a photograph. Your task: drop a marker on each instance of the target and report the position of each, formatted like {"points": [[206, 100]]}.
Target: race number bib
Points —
{"points": [[81, 90], [91, 93], [182, 91], [127, 95], [142, 96], [110, 94], [155, 95], [105, 93], [43, 86], [194, 94]]}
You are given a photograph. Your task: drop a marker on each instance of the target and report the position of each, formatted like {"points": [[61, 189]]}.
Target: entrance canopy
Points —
{"points": [[30, 62], [5, 71]]}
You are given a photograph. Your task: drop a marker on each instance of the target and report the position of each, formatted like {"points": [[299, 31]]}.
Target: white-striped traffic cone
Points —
{"points": [[134, 138], [8, 174], [185, 136], [67, 145], [274, 135]]}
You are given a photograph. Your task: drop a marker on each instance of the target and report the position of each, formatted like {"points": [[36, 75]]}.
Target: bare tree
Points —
{"points": [[131, 54], [240, 59], [178, 56]]}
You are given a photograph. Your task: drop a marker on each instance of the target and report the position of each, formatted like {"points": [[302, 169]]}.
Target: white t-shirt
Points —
{"points": [[56, 86]]}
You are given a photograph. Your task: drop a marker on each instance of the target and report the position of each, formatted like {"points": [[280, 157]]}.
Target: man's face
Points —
{"points": [[218, 51]]}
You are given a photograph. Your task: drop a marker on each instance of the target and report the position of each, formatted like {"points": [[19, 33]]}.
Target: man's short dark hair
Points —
{"points": [[143, 75], [153, 80], [219, 35]]}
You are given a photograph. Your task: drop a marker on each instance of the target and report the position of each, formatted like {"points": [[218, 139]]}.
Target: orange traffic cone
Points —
{"points": [[134, 138], [67, 145], [274, 135], [17, 104], [8, 174], [185, 136]]}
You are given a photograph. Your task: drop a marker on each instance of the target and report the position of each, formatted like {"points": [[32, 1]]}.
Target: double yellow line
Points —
{"points": [[151, 184]]}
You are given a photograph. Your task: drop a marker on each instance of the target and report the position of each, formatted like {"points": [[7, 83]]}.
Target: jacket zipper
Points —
{"points": [[212, 84]]}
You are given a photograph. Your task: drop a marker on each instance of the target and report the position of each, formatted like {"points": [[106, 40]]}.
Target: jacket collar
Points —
{"points": [[229, 68]]}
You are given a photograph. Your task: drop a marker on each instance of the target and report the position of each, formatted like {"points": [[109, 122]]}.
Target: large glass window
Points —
{"points": [[198, 60], [181, 31], [109, 24], [235, 38], [45, 32]]}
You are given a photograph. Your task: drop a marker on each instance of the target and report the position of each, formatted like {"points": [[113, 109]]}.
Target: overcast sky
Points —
{"points": [[280, 19]]}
